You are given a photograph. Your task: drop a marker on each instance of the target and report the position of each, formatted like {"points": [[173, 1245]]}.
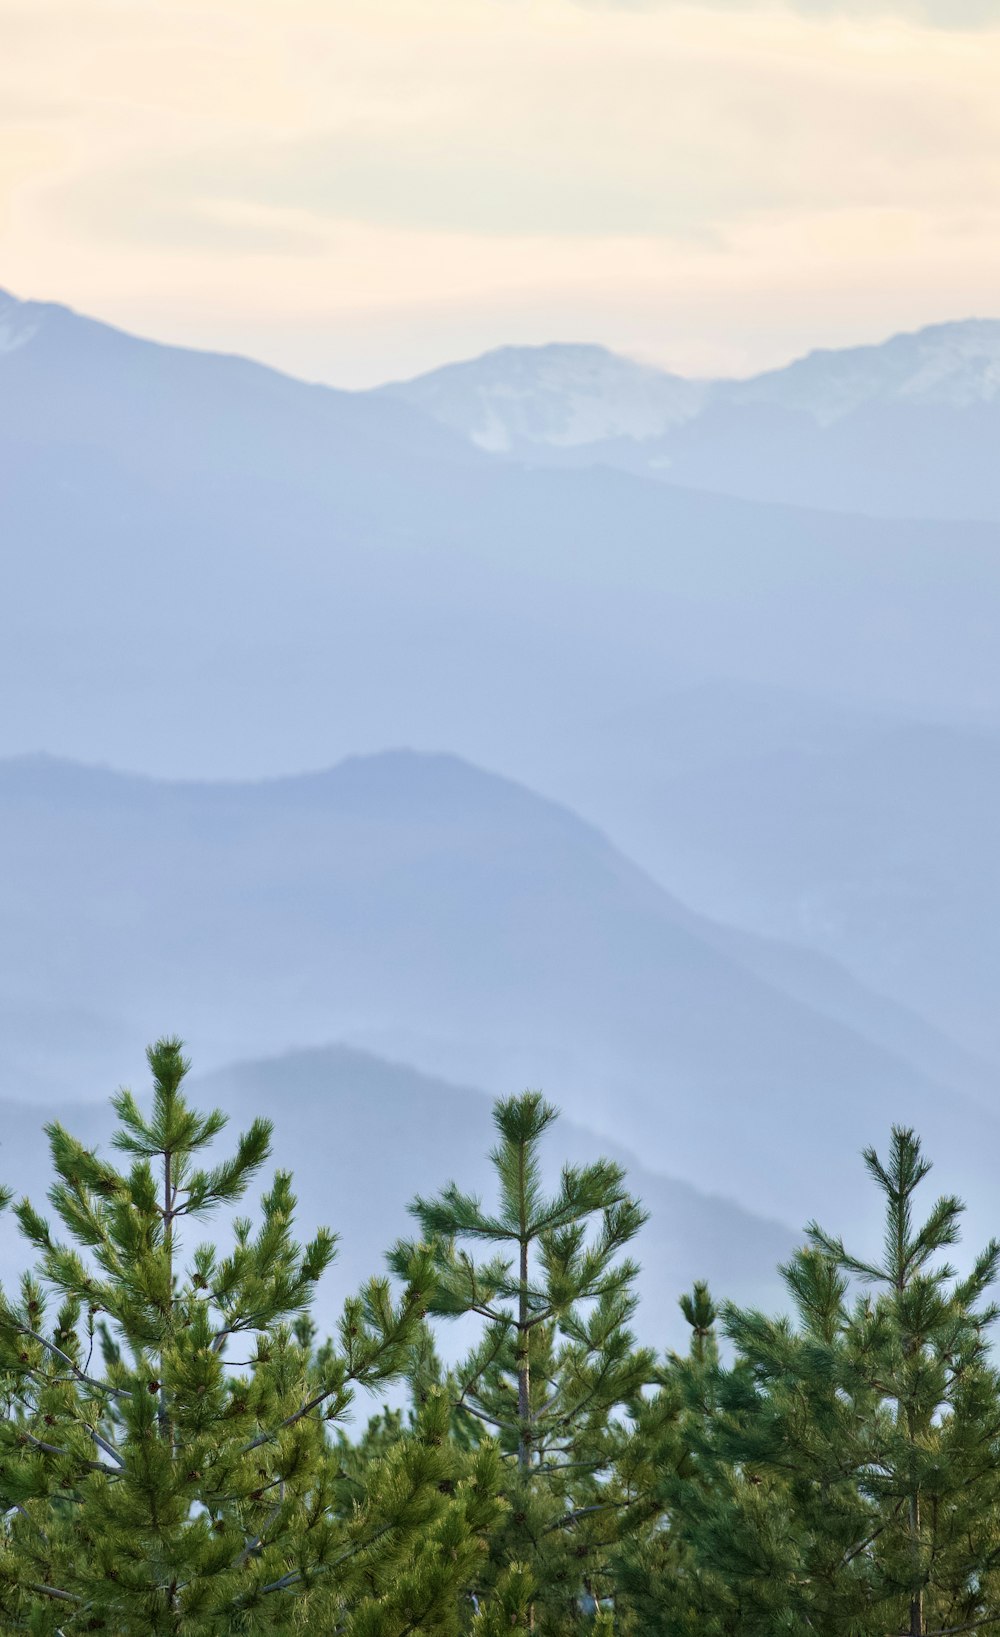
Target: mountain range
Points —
{"points": [[212, 569], [450, 919], [694, 823], [906, 427]]}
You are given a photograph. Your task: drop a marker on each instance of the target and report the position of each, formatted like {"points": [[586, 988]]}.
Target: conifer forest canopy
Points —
{"points": [[177, 1453]]}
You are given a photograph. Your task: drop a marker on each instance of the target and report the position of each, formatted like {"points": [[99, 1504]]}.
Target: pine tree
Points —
{"points": [[846, 1467], [153, 1482], [429, 1584], [662, 1585], [555, 1372]]}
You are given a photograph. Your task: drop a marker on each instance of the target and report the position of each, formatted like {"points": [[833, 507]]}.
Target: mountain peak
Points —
{"points": [[564, 394], [567, 395]]}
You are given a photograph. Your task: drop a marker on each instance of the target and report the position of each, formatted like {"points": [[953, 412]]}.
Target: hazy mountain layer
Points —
{"points": [[879, 849], [453, 920], [362, 1136], [211, 568]]}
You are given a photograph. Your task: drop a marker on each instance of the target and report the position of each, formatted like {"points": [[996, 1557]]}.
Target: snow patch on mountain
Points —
{"points": [[950, 366], [567, 397], [563, 396], [16, 327]]}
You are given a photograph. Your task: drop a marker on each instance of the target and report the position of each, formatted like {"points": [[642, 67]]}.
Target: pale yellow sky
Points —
{"points": [[357, 189]]}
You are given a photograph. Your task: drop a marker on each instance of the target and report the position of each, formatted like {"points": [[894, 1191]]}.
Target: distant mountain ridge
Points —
{"points": [[563, 395], [341, 572], [559, 395], [954, 365], [604, 394], [66, 379], [906, 427]]}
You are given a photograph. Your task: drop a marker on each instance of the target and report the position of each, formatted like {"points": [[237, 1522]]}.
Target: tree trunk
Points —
{"points": [[173, 1597], [523, 1366], [917, 1600], [168, 1248]]}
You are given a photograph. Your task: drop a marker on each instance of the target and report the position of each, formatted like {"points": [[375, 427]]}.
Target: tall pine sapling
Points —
{"points": [[152, 1482], [556, 1367], [936, 1475], [847, 1464]]}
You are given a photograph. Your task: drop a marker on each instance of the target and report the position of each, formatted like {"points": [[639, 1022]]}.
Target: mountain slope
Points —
{"points": [[879, 850], [69, 381], [945, 366], [442, 916]]}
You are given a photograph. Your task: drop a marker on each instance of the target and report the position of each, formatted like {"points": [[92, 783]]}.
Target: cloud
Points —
{"points": [[556, 123], [948, 14], [713, 182]]}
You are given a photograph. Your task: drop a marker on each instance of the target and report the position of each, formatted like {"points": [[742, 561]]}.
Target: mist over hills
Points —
{"points": [[782, 717], [905, 428], [864, 835], [879, 849], [362, 1135], [451, 919]]}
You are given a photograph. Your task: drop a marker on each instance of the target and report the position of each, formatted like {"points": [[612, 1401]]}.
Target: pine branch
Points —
{"points": [[255, 1544], [80, 1375], [953, 1631], [294, 1576], [52, 1591], [53, 1449], [108, 1449]]}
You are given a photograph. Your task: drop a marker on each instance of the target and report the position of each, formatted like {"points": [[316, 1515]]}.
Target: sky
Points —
{"points": [[358, 190]]}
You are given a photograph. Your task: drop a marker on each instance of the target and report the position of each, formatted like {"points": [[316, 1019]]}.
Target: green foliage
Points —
{"points": [[174, 1457], [555, 1376], [151, 1481], [844, 1470]]}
